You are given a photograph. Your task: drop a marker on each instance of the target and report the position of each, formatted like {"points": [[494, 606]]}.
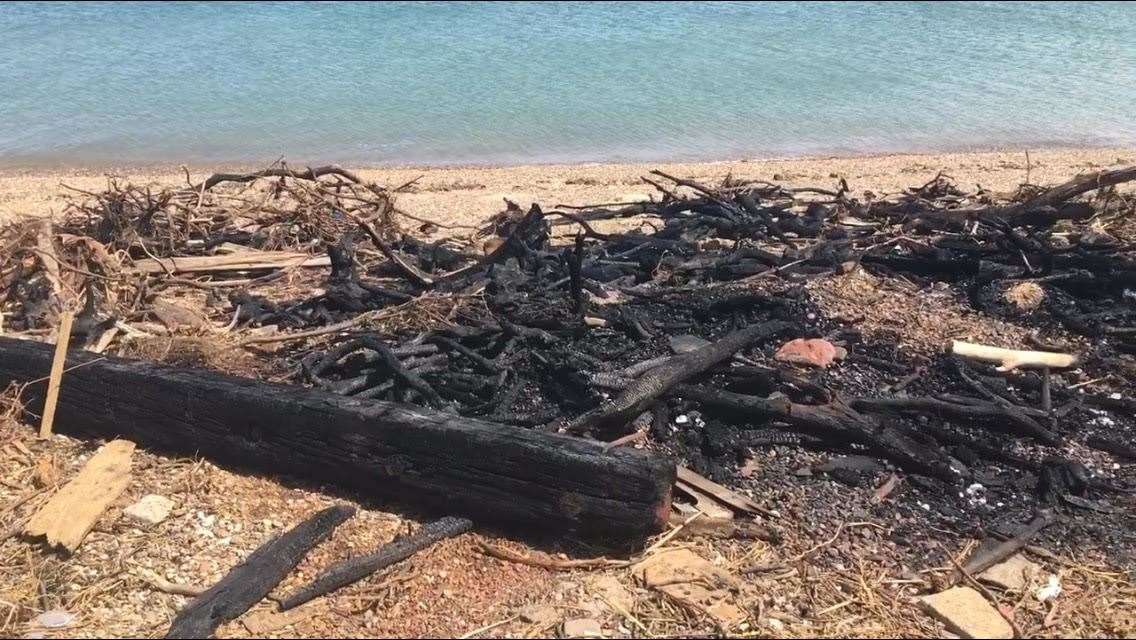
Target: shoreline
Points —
{"points": [[25, 166], [469, 194]]}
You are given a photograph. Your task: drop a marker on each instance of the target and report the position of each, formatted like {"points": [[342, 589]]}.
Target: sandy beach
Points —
{"points": [[465, 195]]}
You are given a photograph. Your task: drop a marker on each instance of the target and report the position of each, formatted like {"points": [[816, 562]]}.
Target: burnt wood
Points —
{"points": [[248, 583], [400, 454], [355, 569]]}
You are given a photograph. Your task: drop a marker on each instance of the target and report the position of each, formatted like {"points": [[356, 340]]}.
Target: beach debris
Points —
{"points": [[54, 619], [692, 582], [1050, 590], [55, 378], [540, 322], [612, 592], [151, 509], [967, 613], [72, 512], [1025, 296], [986, 557], [248, 583], [177, 317], [813, 352], [262, 622], [701, 486], [620, 492], [543, 615], [354, 569], [46, 473], [582, 628], [546, 561], [1012, 574]]}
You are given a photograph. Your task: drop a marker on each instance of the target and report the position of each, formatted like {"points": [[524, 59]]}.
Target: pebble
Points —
{"points": [[54, 619], [151, 509], [537, 613]]}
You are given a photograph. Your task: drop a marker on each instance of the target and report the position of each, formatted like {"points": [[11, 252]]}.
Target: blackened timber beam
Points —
{"points": [[396, 454]]}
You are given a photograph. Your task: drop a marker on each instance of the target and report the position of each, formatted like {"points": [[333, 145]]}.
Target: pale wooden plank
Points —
{"points": [[245, 261], [72, 512], [56, 376]]}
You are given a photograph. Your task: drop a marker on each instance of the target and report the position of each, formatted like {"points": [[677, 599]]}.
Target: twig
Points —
{"points": [[489, 627], [552, 564]]}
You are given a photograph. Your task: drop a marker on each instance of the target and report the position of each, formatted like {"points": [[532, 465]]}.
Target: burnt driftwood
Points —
{"points": [[248, 583], [355, 569], [657, 382], [406, 455]]}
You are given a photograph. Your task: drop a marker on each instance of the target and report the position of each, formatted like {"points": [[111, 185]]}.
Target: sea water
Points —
{"points": [[481, 83]]}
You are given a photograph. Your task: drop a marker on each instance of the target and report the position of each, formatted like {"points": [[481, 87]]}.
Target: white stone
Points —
{"points": [[1013, 574], [151, 509], [582, 628]]}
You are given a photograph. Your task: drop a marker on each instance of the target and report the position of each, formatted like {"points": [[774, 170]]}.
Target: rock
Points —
{"points": [[178, 317], [613, 593], [46, 473], [151, 509], [54, 619], [967, 613], [1051, 590], [686, 343], [811, 352], [582, 628], [535, 613], [692, 582], [1013, 574], [1098, 239]]}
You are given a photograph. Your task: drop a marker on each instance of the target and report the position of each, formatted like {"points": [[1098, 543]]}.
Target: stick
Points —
{"points": [[411, 273], [249, 582], [1010, 359], [355, 569], [61, 342], [982, 561], [284, 172], [659, 381], [552, 564], [165, 586]]}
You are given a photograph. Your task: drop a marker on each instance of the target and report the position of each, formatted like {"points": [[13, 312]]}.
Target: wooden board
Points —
{"points": [[722, 494], [244, 261], [403, 455], [72, 512]]}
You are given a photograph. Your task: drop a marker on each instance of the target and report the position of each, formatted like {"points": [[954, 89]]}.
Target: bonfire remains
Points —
{"points": [[651, 324]]}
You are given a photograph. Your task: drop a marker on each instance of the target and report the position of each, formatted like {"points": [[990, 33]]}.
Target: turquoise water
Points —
{"points": [[541, 82]]}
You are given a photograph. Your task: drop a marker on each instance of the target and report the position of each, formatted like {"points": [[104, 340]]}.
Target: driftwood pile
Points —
{"points": [[541, 320]]}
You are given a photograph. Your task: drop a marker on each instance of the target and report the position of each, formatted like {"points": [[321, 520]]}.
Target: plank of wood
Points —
{"points": [[56, 376], [492, 473], [248, 583], [1010, 359], [703, 502], [72, 512], [244, 261], [722, 494]]}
